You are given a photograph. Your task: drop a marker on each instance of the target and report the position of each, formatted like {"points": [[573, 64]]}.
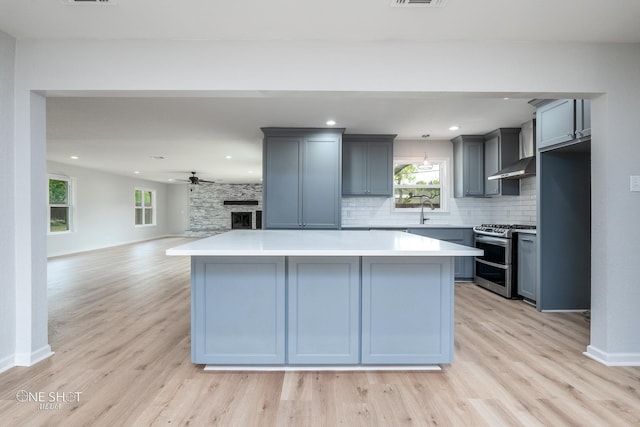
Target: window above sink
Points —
{"points": [[419, 180]]}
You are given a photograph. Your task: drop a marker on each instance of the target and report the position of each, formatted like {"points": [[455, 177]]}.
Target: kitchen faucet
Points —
{"points": [[422, 218]]}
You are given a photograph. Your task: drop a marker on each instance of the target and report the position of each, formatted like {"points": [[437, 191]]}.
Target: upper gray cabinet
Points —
{"points": [[302, 178], [367, 165], [561, 121], [501, 148], [468, 166]]}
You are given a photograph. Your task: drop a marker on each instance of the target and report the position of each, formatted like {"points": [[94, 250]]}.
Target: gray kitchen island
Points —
{"points": [[313, 299]]}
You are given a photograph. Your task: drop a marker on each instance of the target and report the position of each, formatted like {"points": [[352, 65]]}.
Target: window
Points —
{"points": [[419, 181], [145, 201], [59, 204]]}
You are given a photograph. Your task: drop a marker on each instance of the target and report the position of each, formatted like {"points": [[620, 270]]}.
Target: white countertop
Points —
{"points": [[320, 243]]}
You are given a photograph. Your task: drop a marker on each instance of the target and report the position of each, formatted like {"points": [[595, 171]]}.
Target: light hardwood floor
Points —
{"points": [[119, 324]]}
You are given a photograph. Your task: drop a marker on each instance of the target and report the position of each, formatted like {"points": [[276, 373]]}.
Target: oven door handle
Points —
{"points": [[492, 264], [492, 240]]}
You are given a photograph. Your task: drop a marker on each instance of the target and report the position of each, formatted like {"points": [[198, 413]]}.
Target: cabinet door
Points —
{"points": [[527, 272], [282, 189], [473, 169], [555, 123], [379, 168], [458, 168], [354, 168], [583, 118], [491, 165], [407, 310], [321, 182], [238, 310], [324, 310]]}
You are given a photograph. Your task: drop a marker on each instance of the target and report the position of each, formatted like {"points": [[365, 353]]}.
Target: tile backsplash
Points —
{"points": [[372, 211]]}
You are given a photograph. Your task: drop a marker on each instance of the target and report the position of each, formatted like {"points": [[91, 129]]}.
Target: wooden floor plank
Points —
{"points": [[119, 322]]}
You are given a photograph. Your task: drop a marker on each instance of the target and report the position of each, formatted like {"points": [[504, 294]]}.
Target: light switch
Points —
{"points": [[635, 183]]}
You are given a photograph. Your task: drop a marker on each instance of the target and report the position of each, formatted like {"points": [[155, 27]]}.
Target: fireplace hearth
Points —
{"points": [[241, 220]]}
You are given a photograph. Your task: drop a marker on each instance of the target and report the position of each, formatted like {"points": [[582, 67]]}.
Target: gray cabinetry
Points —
{"points": [[367, 165], [468, 166], [302, 178], [401, 314], [237, 309], [324, 310], [564, 227], [561, 121], [527, 266], [501, 148], [463, 267]]}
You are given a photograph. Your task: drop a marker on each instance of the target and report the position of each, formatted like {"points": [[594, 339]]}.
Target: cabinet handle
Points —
{"points": [[527, 240]]}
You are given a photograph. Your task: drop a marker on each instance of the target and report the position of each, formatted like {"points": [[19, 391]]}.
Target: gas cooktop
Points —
{"points": [[501, 230]]}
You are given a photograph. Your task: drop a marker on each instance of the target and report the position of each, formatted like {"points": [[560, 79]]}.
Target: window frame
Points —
{"points": [[144, 208], [443, 186], [70, 205]]}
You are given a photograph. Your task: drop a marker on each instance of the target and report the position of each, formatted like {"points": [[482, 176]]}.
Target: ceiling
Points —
{"points": [[125, 135], [525, 20], [120, 132]]}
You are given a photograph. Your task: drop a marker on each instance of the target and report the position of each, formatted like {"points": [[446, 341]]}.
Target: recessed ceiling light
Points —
{"points": [[250, 172], [156, 157], [74, 157], [505, 98], [454, 127], [331, 122], [227, 157], [170, 180], [136, 172]]}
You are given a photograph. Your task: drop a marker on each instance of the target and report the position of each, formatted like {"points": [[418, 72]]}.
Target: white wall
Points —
{"points": [[7, 242], [563, 69], [177, 209], [104, 213]]}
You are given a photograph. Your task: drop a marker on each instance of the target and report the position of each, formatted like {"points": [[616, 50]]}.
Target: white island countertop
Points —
{"points": [[320, 243]]}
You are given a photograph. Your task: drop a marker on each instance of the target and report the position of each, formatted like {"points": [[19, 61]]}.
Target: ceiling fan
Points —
{"points": [[194, 180]]}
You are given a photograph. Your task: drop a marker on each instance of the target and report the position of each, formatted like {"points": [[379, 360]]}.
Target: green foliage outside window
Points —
{"points": [[58, 205], [415, 184], [143, 207]]}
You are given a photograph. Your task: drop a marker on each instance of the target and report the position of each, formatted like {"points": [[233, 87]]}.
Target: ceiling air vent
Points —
{"points": [[418, 3]]}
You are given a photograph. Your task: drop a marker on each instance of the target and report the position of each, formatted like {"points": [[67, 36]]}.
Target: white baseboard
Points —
{"points": [[30, 359], [7, 363], [291, 368], [612, 359]]}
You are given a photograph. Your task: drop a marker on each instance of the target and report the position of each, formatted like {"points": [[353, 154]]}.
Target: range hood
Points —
{"points": [[526, 166]]}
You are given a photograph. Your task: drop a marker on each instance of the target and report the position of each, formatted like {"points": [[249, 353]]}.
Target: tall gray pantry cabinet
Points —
{"points": [[302, 178]]}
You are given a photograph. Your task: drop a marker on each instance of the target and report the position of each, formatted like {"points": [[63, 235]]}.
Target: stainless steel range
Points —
{"points": [[496, 270]]}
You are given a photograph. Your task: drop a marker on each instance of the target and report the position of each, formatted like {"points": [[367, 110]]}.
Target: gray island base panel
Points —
{"points": [[282, 299]]}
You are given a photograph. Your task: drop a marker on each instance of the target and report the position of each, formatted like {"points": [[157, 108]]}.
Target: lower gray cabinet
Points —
{"points": [[527, 271], [406, 320], [237, 307], [463, 268], [324, 310], [347, 311]]}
